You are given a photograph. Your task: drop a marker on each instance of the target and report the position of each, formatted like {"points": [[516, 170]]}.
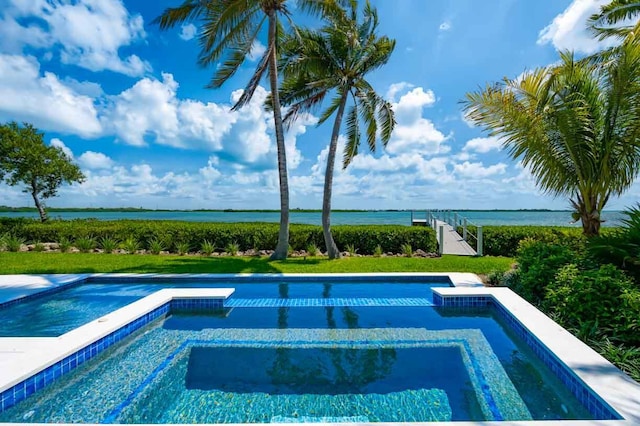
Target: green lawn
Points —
{"points": [[68, 263]]}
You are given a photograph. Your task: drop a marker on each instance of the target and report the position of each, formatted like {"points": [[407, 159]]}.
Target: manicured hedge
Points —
{"points": [[261, 236], [504, 240]]}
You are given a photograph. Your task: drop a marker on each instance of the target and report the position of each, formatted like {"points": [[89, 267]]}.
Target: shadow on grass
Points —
{"points": [[220, 265]]}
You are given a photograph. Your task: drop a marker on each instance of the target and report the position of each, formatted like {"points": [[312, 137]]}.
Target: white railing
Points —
{"points": [[455, 220]]}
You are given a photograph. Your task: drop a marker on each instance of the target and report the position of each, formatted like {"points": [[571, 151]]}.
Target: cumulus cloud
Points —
{"points": [[43, 100], [151, 112], [478, 170], [188, 31], [95, 160], [568, 30], [59, 144], [483, 145], [413, 132], [87, 33]]}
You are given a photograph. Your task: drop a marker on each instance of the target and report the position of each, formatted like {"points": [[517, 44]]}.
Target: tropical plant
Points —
{"points": [[207, 248], [156, 246], [335, 60], [312, 249], [407, 250], [131, 245], [85, 244], [575, 126], [3, 239], [230, 29], [64, 245], [108, 244], [351, 249], [621, 247], [232, 248], [38, 247], [26, 160], [377, 252], [13, 243], [619, 19], [183, 248]]}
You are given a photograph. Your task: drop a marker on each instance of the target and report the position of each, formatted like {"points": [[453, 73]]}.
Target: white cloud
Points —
{"points": [[188, 31], [445, 26], [95, 160], [59, 144], [478, 170], [43, 100], [483, 145], [568, 30], [88, 33], [413, 133], [257, 50], [396, 88]]}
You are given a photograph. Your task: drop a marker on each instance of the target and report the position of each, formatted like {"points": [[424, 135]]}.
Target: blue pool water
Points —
{"points": [[60, 312], [257, 362]]}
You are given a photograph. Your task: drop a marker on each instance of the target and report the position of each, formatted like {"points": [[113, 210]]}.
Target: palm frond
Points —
{"points": [[353, 136]]}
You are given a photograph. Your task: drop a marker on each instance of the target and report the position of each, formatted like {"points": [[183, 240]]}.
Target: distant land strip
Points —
{"points": [[140, 209]]}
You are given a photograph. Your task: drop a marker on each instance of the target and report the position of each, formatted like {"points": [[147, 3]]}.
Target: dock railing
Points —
{"points": [[455, 220]]}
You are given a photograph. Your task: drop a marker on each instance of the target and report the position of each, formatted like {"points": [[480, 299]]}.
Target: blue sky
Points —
{"points": [[128, 103]]}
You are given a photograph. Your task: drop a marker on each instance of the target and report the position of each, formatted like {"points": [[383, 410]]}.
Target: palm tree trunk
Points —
{"points": [[332, 249], [282, 248], [41, 210], [589, 216]]}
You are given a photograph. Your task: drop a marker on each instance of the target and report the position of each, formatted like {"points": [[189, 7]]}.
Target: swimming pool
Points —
{"points": [[323, 351]]}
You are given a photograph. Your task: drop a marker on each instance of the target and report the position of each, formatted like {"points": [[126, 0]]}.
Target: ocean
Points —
{"points": [[490, 217]]}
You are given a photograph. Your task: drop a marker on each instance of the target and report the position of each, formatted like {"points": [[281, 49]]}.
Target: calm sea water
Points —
{"points": [[549, 218]]}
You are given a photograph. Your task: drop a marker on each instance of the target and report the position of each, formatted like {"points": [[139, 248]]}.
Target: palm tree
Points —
{"points": [[576, 126], [336, 59], [229, 30], [616, 19]]}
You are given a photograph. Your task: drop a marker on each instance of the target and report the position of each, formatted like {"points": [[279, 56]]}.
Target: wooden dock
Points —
{"points": [[450, 242], [453, 242]]}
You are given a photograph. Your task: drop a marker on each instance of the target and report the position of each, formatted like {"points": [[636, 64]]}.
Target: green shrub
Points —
{"points": [[156, 246], [377, 252], [232, 248], [602, 300], [108, 245], [260, 236], [538, 264], [626, 358], [85, 244], [312, 249], [131, 245], [621, 247], [407, 250], [38, 247], [207, 248], [504, 240], [3, 241], [64, 245], [183, 248], [351, 249], [13, 243]]}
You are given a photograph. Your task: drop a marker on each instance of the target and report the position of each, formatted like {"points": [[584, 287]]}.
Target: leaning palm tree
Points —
{"points": [[229, 30], [575, 126], [336, 59], [616, 19]]}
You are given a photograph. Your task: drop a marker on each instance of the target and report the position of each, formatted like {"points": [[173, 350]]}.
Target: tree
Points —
{"points": [[229, 30], [616, 19], [26, 160], [336, 59], [575, 126]]}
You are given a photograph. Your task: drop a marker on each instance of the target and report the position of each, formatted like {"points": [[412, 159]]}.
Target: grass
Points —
{"points": [[69, 263]]}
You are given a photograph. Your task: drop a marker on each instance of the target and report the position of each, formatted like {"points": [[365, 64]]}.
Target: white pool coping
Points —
{"points": [[20, 358]]}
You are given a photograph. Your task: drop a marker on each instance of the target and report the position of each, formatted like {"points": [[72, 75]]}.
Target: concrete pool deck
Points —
{"points": [[19, 357]]}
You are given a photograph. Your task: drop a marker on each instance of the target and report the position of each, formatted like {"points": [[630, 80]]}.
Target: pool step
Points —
{"points": [[330, 301]]}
